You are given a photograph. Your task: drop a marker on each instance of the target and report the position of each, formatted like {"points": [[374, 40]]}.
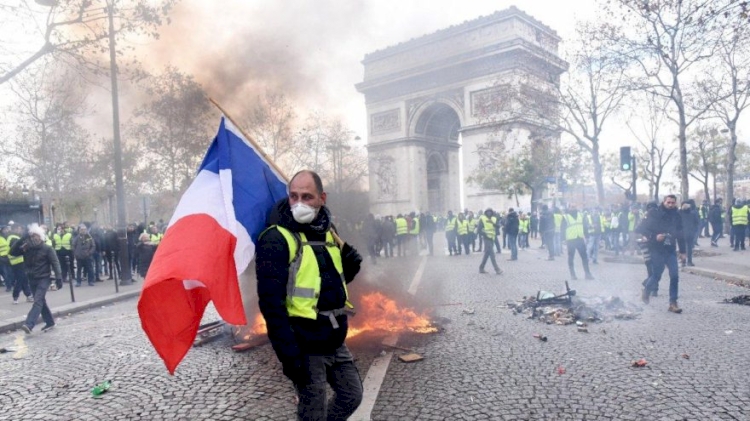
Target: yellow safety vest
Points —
{"points": [[401, 226], [62, 242], [48, 242], [14, 260], [558, 221], [451, 224], [4, 246], [155, 238], [415, 230], [631, 221], [303, 285], [488, 225], [523, 226], [462, 227], [575, 227], [472, 225], [739, 216]]}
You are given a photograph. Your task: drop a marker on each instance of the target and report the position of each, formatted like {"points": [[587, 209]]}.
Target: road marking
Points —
{"points": [[379, 367]]}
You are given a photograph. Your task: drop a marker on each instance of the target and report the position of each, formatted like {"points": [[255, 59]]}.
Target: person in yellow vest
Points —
{"points": [[487, 227], [462, 233], [450, 234], [154, 235], [5, 269], [472, 231], [523, 230], [20, 281], [576, 229], [739, 224], [402, 234], [302, 291]]}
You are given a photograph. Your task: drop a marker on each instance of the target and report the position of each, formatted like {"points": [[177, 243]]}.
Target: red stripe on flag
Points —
{"points": [[197, 248]]}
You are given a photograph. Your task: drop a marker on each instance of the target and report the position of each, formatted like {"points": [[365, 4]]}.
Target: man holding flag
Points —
{"points": [[302, 276]]}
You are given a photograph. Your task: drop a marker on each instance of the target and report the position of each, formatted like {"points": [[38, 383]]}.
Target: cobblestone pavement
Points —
{"points": [[485, 365]]}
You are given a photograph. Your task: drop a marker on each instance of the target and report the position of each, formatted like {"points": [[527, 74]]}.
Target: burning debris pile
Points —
{"points": [[377, 312], [740, 299], [566, 308]]}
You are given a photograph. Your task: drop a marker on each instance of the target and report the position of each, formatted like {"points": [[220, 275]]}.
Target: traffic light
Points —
{"points": [[625, 160]]}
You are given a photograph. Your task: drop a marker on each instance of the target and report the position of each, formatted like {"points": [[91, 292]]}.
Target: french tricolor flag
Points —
{"points": [[209, 243]]}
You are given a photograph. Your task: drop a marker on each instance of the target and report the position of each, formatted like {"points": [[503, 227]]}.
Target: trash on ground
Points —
{"points": [[728, 332], [740, 299], [4, 350], [410, 358], [583, 330], [102, 387], [686, 356], [209, 332], [567, 308], [253, 342], [468, 311], [639, 363], [540, 337], [560, 370]]}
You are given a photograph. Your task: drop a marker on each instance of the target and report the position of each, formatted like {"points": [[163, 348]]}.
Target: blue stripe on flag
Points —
{"points": [[256, 187]]}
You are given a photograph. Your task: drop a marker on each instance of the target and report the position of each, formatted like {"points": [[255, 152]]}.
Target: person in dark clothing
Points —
{"points": [[389, 236], [111, 253], [664, 232], [714, 218], [534, 225], [645, 245], [132, 237], [690, 227], [371, 232], [547, 228], [98, 235], [427, 225], [83, 250], [510, 228], [307, 322], [144, 252], [39, 260], [576, 230]]}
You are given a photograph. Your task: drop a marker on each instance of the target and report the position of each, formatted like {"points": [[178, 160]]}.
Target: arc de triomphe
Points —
{"points": [[422, 98]]}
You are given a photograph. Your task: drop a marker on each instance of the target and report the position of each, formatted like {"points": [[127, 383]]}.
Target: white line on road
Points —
{"points": [[379, 367]]}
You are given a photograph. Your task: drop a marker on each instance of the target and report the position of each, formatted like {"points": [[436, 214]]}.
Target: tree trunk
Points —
{"points": [[731, 159], [598, 176], [684, 183]]}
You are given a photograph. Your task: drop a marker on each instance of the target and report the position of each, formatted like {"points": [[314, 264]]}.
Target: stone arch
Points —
{"points": [[437, 182], [438, 120]]}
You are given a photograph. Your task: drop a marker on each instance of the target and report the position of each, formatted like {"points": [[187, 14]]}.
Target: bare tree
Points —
{"points": [[270, 122], [51, 147], [729, 91], [173, 129], [707, 148], [77, 30], [652, 156], [667, 40]]}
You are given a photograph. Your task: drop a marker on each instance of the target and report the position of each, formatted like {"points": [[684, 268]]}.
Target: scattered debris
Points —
{"points": [[686, 356], [639, 363], [400, 347], [561, 370], [583, 330], [468, 311], [540, 337], [250, 344], [102, 387], [209, 332], [740, 299], [410, 358], [728, 332], [4, 350]]}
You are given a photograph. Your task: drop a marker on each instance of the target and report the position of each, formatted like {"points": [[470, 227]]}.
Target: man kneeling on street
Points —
{"points": [[39, 260], [302, 276]]}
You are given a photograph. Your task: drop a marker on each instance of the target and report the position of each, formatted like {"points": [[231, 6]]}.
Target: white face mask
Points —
{"points": [[304, 214]]}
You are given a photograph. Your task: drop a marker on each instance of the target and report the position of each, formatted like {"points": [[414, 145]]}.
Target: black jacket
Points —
{"points": [[691, 221], [511, 223], [546, 222], [664, 221], [38, 260], [292, 337]]}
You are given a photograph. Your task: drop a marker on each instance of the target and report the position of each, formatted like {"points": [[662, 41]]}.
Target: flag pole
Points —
{"points": [[268, 159]]}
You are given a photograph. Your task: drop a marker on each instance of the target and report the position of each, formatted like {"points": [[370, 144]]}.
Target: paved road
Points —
{"points": [[486, 365]]}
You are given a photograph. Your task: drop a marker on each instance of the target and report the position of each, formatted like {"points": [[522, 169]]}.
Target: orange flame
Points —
{"points": [[378, 312], [259, 325]]}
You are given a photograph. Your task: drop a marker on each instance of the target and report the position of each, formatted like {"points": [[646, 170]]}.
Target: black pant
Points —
{"points": [[339, 371], [450, 237], [716, 232], [428, 239], [738, 231], [580, 245], [549, 241], [489, 253]]}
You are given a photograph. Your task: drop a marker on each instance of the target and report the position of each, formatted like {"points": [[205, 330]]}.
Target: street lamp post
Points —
{"points": [[52, 214], [122, 235]]}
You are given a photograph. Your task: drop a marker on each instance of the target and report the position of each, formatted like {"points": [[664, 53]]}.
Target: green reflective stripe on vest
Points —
{"points": [[67, 239], [523, 226], [631, 221], [739, 216], [575, 227], [48, 242], [451, 224], [4, 246], [401, 226], [155, 238], [57, 241], [303, 284], [14, 260], [488, 225], [415, 230], [472, 225]]}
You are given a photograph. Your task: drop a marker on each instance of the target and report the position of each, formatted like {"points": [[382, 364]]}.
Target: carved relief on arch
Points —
{"points": [[383, 167], [385, 122]]}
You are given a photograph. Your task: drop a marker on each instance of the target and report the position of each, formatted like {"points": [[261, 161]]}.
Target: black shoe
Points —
{"points": [[47, 328], [690, 264], [499, 272], [26, 329], [714, 245]]}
